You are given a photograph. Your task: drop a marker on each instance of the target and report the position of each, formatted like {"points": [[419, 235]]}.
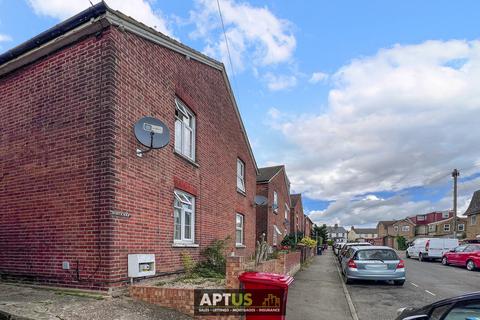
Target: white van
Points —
{"points": [[430, 248]]}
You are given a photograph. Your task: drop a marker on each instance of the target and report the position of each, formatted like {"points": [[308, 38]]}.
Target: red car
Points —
{"points": [[465, 255]]}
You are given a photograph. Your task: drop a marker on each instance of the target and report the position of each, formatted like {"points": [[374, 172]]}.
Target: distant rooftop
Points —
{"points": [[474, 207], [267, 173]]}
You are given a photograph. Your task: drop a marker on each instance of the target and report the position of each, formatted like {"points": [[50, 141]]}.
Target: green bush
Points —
{"points": [[289, 239], [188, 263], [309, 242], [402, 243], [214, 263]]}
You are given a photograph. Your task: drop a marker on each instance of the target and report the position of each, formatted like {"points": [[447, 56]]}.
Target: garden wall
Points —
{"points": [[286, 263]]}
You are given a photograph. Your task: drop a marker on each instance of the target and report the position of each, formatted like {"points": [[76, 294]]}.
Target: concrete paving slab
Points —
{"points": [[42, 304], [317, 292]]}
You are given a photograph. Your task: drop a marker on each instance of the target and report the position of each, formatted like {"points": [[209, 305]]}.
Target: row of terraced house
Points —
{"points": [[76, 199], [433, 224]]}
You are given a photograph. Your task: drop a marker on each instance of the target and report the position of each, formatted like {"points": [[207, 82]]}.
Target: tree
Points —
{"points": [[321, 232]]}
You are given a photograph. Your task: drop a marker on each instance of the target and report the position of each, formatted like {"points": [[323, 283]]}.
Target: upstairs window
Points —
{"points": [[395, 228], [287, 211], [445, 215], [421, 218], [473, 220], [405, 228], [446, 227], [432, 228], [184, 130], [461, 227], [240, 175], [275, 202]]}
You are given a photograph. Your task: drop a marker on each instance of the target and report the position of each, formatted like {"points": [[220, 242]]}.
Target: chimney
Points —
{"points": [[336, 225], [353, 228]]}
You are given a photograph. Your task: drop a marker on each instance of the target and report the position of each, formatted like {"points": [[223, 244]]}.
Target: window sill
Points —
{"points": [[185, 245], [186, 158], [240, 246], [241, 192]]}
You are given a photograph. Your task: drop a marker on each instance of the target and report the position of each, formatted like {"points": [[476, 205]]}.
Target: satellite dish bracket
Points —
{"points": [[141, 152]]}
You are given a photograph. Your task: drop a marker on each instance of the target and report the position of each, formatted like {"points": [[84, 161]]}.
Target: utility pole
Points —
{"points": [[455, 174]]}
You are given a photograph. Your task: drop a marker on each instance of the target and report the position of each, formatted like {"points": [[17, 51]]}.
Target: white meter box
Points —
{"points": [[141, 265]]}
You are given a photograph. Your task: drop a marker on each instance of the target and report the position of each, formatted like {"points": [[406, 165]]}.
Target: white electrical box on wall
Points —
{"points": [[141, 265]]}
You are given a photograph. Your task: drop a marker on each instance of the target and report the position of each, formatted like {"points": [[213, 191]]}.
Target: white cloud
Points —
{"points": [[280, 82], [140, 10], [393, 121], [401, 118], [318, 77], [5, 37], [367, 212], [253, 33]]}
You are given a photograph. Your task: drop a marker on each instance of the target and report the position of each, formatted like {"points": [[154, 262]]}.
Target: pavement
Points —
{"points": [[20, 302], [317, 292]]}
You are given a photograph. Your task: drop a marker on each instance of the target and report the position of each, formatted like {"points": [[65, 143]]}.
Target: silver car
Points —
{"points": [[373, 263]]}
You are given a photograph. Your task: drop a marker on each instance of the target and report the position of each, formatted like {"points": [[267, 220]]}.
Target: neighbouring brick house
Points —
{"points": [[388, 231], [423, 220], [444, 228], [297, 217], [308, 226], [75, 198], [273, 219], [473, 217]]}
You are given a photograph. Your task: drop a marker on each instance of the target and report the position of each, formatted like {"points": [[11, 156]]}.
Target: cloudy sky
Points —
{"points": [[370, 104]]}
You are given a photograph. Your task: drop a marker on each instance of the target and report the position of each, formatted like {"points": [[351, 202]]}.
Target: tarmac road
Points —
{"points": [[427, 282]]}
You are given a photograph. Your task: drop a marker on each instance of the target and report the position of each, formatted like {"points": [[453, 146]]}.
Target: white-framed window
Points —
{"points": [[421, 218], [240, 175], [461, 227], [473, 220], [275, 201], [405, 228], [395, 228], [445, 215], [184, 130], [239, 222], [287, 211], [276, 233], [432, 228], [184, 217], [446, 227]]}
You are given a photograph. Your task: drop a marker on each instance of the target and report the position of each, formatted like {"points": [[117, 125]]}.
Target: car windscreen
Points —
{"points": [[376, 254]]}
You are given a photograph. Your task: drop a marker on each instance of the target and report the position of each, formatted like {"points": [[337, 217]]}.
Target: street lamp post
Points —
{"points": [[455, 174]]}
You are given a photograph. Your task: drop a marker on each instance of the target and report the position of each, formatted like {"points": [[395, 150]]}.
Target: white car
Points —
{"points": [[430, 248]]}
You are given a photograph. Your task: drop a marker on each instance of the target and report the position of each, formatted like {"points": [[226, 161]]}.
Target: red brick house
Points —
{"points": [[297, 217], [423, 220], [76, 200], [273, 219], [308, 226]]}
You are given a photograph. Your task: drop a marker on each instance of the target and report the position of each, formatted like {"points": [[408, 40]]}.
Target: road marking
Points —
{"points": [[433, 294], [413, 284], [353, 312]]}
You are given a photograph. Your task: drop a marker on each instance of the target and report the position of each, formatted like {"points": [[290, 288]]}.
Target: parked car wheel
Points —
{"points": [[398, 282], [471, 265], [407, 255], [347, 280], [445, 261]]}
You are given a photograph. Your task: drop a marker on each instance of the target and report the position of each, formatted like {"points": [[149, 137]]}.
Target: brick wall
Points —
{"points": [[56, 152], [288, 263], [67, 160]]}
